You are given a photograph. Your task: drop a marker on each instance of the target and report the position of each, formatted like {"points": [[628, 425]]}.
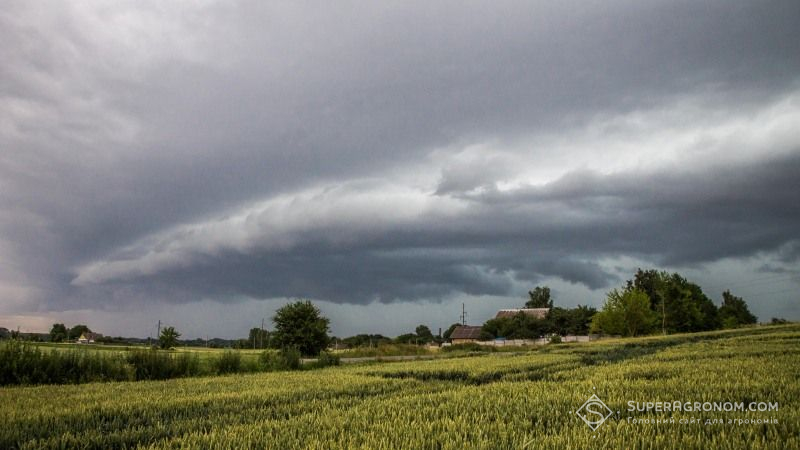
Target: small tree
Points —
{"points": [[424, 333], [539, 298], [407, 338], [257, 338], [627, 313], [169, 338], [302, 326], [450, 330]]}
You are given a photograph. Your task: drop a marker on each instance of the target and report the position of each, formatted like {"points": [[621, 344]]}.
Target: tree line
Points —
{"points": [[60, 333], [657, 301], [653, 301]]}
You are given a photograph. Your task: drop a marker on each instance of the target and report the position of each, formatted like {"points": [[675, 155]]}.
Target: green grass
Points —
{"points": [[207, 357], [385, 350], [496, 400]]}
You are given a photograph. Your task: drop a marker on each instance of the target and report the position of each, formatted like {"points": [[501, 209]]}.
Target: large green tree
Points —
{"points": [[625, 313], [539, 298], [680, 305], [519, 326], [651, 282], [58, 333], [681, 308], [575, 321], [709, 315], [301, 325], [734, 312]]}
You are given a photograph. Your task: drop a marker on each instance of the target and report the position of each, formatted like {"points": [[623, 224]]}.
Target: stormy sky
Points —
{"points": [[203, 163]]}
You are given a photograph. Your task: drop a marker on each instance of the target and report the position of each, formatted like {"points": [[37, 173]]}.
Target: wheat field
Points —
{"points": [[494, 401]]}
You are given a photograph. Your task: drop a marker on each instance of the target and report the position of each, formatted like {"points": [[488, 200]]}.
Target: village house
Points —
{"points": [[89, 338], [463, 334]]}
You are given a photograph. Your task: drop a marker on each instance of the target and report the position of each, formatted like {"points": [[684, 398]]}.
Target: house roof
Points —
{"points": [[539, 313], [90, 336], [465, 332]]}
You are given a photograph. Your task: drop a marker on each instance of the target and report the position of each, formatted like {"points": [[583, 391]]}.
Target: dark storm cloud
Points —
{"points": [[121, 127], [679, 217], [671, 219]]}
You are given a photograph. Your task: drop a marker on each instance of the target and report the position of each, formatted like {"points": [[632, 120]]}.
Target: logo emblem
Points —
{"points": [[594, 412]]}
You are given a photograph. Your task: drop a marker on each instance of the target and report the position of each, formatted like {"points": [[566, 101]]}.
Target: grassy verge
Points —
{"points": [[23, 363], [385, 350]]}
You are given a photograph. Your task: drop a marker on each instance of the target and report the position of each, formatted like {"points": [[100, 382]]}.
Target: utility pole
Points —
{"points": [[159, 329], [262, 333], [463, 314]]}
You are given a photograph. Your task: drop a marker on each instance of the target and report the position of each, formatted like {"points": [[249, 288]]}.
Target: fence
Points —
{"points": [[540, 341]]}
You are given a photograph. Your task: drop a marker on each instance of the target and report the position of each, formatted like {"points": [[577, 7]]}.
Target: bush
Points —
{"points": [[229, 362], [284, 359], [327, 359], [386, 350], [187, 365], [250, 365], [21, 363], [156, 365], [150, 364], [555, 339], [468, 347]]}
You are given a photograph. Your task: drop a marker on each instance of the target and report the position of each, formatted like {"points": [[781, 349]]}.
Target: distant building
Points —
{"points": [[539, 313], [338, 345], [465, 333], [89, 338]]}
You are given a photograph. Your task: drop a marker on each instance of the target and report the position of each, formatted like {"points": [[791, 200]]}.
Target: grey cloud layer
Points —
{"points": [[385, 248], [360, 152]]}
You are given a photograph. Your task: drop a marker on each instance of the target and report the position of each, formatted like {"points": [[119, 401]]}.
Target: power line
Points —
{"points": [[771, 279], [782, 277], [758, 294]]}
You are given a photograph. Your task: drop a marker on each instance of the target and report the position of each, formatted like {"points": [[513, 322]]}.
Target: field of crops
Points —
{"points": [[488, 401]]}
